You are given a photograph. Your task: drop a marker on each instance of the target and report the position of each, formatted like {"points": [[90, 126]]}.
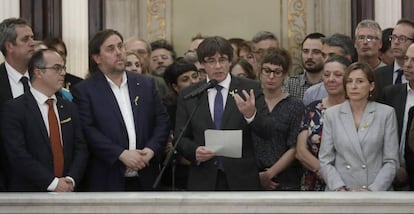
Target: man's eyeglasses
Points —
{"points": [[56, 68], [213, 62], [369, 38], [268, 71], [401, 38]]}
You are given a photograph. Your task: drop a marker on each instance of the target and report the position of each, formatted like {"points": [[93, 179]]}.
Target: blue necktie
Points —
{"points": [[218, 107]]}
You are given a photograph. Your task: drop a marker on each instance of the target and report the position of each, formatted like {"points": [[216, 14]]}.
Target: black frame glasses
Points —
{"points": [[56, 68]]}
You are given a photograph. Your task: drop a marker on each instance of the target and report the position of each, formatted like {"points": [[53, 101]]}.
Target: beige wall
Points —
{"points": [[230, 18], [289, 20], [179, 20]]}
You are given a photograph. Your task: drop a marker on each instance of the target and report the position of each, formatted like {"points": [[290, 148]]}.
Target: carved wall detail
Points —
{"points": [[156, 20], [296, 32]]}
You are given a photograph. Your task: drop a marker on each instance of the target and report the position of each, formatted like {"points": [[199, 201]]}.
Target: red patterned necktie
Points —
{"points": [[57, 150]]}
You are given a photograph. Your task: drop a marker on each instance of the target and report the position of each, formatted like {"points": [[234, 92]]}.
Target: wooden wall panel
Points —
{"points": [[45, 16]]}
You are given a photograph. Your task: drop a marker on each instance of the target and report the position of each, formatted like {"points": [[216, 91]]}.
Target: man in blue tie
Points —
{"points": [[231, 105]]}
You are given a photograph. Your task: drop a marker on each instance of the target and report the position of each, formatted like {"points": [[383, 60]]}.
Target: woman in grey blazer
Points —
{"points": [[359, 149]]}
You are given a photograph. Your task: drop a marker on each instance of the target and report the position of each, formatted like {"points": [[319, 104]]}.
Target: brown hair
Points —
{"points": [[369, 73]]}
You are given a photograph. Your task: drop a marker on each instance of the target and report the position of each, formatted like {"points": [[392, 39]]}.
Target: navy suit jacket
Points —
{"points": [[106, 133], [241, 173], [28, 147]]}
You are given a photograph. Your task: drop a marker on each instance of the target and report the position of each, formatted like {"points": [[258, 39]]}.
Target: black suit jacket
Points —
{"points": [[241, 173], [396, 96], [5, 95], [383, 78], [106, 133], [28, 147], [5, 90], [409, 154]]}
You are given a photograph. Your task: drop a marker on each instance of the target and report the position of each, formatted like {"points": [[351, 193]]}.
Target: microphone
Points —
{"points": [[211, 84]]}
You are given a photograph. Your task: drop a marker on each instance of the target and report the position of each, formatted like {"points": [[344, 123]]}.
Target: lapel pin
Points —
{"points": [[136, 100], [138, 83], [233, 92]]}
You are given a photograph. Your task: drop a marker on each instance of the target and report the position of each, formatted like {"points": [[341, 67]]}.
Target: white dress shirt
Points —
{"points": [[44, 108], [121, 94], [14, 80], [224, 91]]}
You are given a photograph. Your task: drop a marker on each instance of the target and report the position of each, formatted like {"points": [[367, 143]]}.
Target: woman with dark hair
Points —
{"points": [[309, 139], [275, 138], [359, 149], [241, 68]]}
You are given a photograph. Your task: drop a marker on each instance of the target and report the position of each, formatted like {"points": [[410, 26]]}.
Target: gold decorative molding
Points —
{"points": [[296, 32], [156, 20]]}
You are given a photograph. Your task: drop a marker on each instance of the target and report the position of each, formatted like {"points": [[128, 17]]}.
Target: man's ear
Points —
{"points": [[9, 46], [175, 87], [96, 58], [37, 73]]}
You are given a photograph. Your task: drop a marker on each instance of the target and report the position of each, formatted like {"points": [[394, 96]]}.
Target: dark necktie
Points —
{"points": [[399, 76], [57, 150], [25, 82], [218, 107]]}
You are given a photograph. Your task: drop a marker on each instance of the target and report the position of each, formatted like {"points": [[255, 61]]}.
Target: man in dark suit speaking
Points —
{"points": [[42, 133], [221, 108], [125, 123]]}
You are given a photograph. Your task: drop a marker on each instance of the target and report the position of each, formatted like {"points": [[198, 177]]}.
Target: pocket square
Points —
{"points": [[67, 120]]}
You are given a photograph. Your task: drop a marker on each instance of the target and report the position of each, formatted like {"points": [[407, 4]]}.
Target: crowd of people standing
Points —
{"points": [[343, 124]]}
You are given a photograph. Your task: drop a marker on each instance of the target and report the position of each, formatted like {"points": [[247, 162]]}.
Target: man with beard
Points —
{"points": [[337, 44], [312, 62], [124, 121], [162, 55]]}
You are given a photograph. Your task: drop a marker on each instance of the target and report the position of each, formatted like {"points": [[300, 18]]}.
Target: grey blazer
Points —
{"points": [[359, 159]]}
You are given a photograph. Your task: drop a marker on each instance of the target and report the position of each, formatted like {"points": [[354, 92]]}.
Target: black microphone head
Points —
{"points": [[212, 83]]}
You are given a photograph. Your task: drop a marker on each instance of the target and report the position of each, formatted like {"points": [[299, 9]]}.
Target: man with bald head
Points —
{"points": [[42, 133]]}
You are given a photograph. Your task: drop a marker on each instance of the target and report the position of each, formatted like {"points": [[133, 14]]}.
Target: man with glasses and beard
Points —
{"points": [[312, 62]]}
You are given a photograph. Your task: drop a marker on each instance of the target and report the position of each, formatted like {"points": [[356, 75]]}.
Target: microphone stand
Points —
{"points": [[171, 153]]}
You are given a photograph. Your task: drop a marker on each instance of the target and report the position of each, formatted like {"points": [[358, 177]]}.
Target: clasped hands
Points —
{"points": [[136, 160], [64, 185]]}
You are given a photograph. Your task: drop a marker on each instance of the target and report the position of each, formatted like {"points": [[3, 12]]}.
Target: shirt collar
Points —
{"points": [[14, 74], [40, 97], [225, 83], [124, 80], [396, 66]]}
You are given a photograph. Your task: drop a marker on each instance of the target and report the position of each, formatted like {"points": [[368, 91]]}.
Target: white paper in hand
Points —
{"points": [[227, 143]]}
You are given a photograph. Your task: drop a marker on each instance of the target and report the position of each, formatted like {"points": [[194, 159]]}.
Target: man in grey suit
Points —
{"points": [[208, 171], [17, 46]]}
